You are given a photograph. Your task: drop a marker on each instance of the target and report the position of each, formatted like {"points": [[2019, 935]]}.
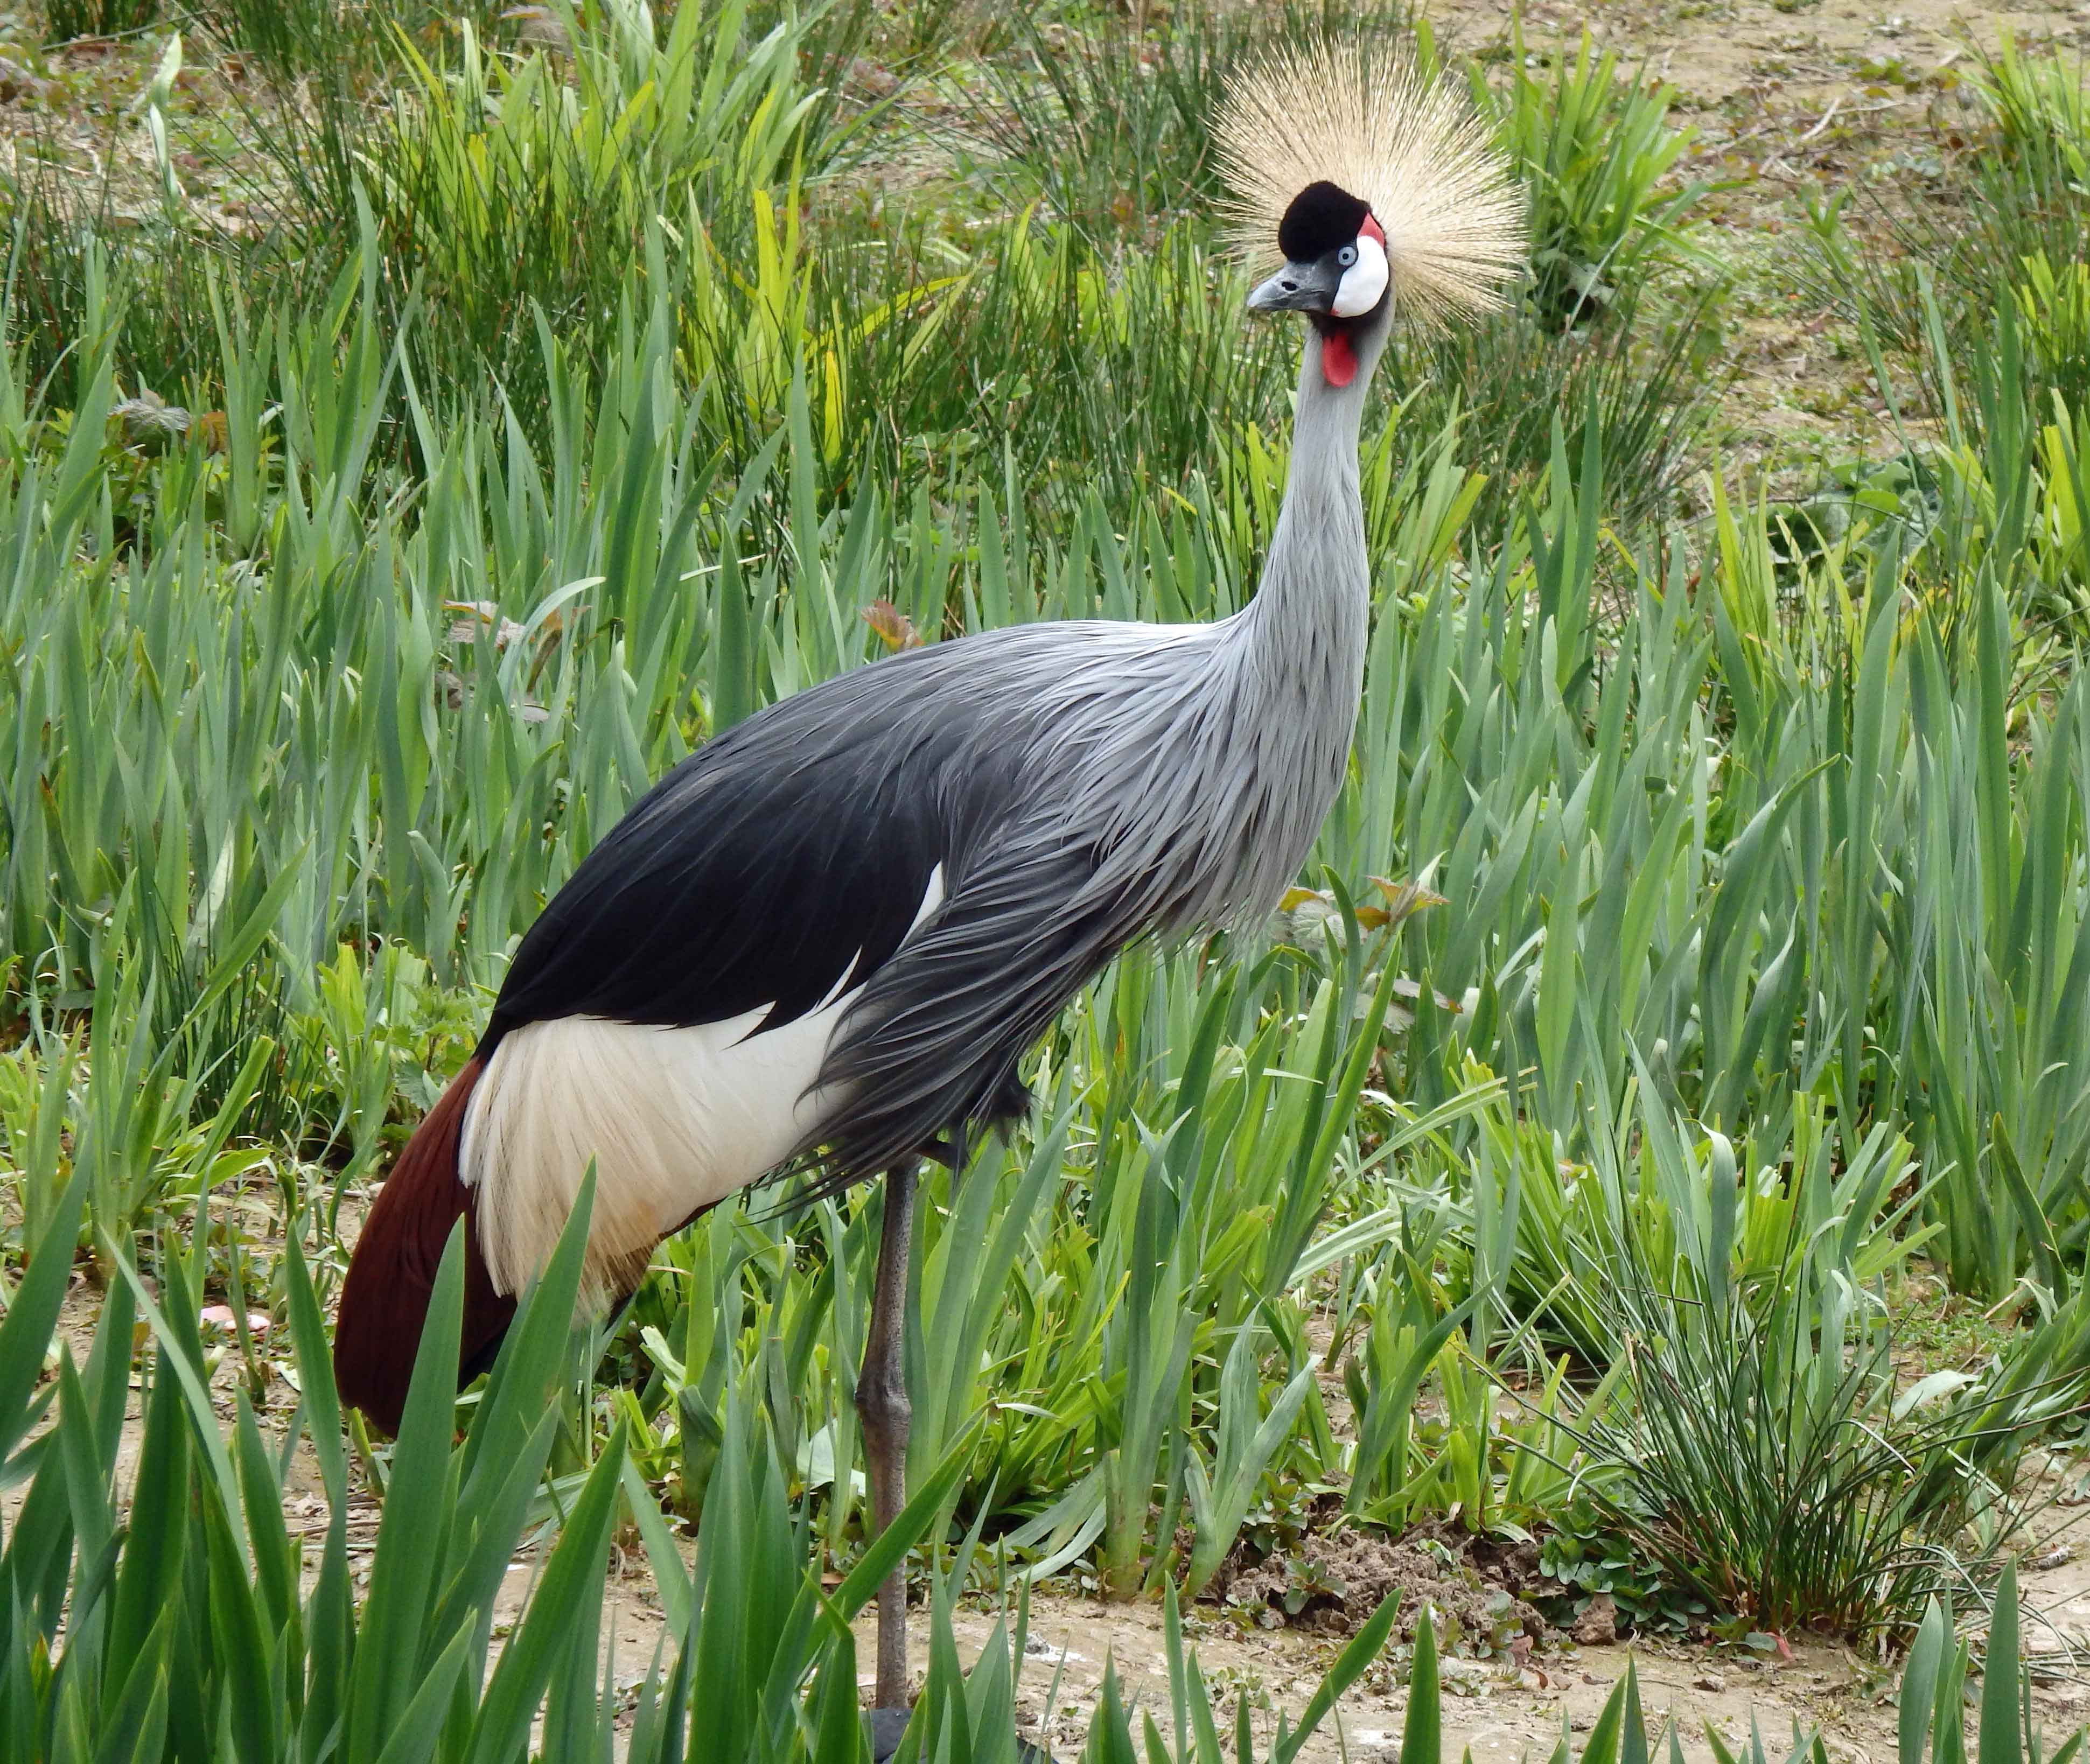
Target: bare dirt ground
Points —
{"points": [[1765, 62], [1497, 1710], [1793, 102]]}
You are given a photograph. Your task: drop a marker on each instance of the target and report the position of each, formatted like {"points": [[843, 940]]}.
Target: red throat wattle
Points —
{"points": [[1338, 359]]}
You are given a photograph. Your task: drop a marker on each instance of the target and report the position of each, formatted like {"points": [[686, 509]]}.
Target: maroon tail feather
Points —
{"points": [[392, 1275]]}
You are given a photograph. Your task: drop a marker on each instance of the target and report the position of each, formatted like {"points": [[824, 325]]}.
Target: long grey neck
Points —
{"points": [[1294, 658], [1307, 620], [1211, 777]]}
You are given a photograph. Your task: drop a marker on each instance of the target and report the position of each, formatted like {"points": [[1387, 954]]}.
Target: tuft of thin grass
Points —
{"points": [[65, 21], [1783, 1471], [1648, 388], [1761, 1444], [1597, 151]]}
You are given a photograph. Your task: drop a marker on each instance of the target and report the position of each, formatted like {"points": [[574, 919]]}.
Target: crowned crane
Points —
{"points": [[834, 931]]}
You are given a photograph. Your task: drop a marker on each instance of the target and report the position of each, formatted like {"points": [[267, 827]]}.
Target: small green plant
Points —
{"points": [[1595, 148], [1591, 1558], [1769, 1456]]}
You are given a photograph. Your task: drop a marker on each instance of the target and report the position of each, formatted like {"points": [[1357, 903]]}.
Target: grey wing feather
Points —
{"points": [[935, 1038], [1125, 790]]}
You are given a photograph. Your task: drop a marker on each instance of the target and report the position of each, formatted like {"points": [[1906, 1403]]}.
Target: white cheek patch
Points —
{"points": [[1363, 282]]}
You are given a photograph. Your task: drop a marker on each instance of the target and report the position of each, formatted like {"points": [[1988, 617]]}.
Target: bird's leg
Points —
{"points": [[883, 1407]]}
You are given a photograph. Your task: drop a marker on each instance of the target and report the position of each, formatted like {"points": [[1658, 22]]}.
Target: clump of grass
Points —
{"points": [[311, 73], [2053, 304], [2038, 104], [1798, 1489], [2034, 201], [332, 47], [1770, 1455], [1596, 152], [507, 187], [1111, 126], [66, 20], [75, 262]]}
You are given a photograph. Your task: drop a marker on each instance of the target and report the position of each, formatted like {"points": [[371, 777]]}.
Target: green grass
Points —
{"points": [[65, 20], [187, 1622], [395, 780]]}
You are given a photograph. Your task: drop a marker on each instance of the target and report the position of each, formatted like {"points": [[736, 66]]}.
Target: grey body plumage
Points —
{"points": [[1117, 780], [1073, 786], [1095, 783]]}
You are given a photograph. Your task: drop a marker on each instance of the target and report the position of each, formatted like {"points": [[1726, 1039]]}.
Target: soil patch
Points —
{"points": [[1330, 1586]]}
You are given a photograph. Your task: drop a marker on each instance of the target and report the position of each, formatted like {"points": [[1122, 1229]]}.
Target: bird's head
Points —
{"points": [[1335, 271], [1379, 190]]}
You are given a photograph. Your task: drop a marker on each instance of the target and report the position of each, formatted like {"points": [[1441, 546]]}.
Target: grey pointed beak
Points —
{"points": [[1296, 288]]}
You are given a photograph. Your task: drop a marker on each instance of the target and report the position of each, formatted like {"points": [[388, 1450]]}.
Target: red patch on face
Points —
{"points": [[1339, 360], [1373, 230]]}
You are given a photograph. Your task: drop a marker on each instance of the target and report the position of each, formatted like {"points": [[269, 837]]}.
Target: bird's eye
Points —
{"points": [[1347, 255]]}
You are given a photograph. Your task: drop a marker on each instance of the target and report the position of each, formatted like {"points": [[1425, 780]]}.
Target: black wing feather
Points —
{"points": [[754, 874]]}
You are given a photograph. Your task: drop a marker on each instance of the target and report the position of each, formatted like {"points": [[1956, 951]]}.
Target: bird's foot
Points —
{"points": [[887, 1725]]}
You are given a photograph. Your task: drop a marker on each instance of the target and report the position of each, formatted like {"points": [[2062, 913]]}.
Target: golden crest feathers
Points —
{"points": [[1408, 145]]}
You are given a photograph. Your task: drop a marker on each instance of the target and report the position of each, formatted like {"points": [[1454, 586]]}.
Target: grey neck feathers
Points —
{"points": [[1301, 642], [1316, 580], [1200, 761]]}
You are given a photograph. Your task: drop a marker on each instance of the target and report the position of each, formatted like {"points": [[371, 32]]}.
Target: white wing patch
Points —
{"points": [[675, 1119]]}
